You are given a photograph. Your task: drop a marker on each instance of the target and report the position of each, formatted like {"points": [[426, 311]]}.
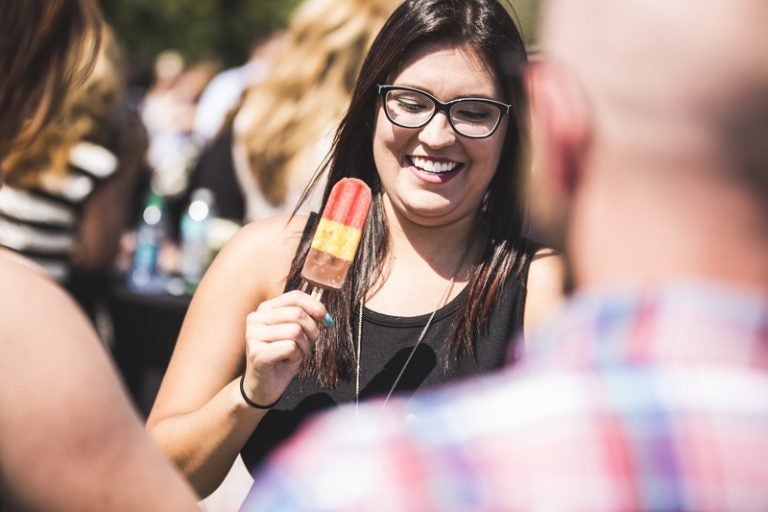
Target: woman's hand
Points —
{"points": [[279, 335]]}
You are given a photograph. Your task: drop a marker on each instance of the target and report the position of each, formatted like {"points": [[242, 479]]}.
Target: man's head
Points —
{"points": [[639, 96]]}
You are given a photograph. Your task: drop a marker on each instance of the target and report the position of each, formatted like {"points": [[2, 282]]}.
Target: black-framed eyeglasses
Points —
{"points": [[475, 118]]}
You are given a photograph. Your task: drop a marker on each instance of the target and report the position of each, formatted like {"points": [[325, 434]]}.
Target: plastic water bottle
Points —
{"points": [[195, 227], [145, 276]]}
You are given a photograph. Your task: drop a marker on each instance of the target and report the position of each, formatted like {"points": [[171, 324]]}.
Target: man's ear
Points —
{"points": [[561, 123], [559, 137]]}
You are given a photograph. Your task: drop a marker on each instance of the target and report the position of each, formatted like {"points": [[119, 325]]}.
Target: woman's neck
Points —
{"points": [[441, 246], [422, 261]]}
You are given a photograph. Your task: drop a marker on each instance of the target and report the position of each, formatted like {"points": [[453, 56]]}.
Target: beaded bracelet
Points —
{"points": [[251, 402]]}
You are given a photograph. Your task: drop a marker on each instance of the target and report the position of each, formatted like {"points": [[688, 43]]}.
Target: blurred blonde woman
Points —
{"points": [[69, 437], [68, 193], [285, 126]]}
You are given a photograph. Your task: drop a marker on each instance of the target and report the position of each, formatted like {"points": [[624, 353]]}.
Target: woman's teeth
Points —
{"points": [[433, 167]]}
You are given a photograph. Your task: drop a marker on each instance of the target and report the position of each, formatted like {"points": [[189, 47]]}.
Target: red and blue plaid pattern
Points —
{"points": [[655, 401]]}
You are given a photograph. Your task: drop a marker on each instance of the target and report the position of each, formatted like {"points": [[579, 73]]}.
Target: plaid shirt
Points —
{"points": [[653, 401]]}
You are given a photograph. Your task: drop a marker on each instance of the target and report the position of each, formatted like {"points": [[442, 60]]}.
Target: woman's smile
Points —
{"points": [[434, 170]]}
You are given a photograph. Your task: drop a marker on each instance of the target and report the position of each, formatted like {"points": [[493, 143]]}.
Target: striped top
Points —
{"points": [[43, 222], [632, 401]]}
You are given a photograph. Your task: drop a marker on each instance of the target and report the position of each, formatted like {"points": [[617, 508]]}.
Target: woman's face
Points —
{"points": [[432, 175]]}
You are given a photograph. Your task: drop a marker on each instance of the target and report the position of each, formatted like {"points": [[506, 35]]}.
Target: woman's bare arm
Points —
{"points": [[200, 418]]}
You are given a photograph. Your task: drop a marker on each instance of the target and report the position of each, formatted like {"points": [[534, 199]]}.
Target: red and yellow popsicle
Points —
{"points": [[338, 235]]}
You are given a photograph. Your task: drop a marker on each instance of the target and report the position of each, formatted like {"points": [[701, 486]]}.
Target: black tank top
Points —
{"points": [[387, 342]]}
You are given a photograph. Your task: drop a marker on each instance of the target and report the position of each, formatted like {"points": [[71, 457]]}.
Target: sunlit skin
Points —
{"points": [[447, 72]]}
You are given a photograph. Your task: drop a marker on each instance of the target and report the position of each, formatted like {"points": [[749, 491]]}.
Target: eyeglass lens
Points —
{"points": [[412, 109]]}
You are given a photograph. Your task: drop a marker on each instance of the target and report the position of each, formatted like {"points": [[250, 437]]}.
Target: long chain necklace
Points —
{"points": [[443, 300]]}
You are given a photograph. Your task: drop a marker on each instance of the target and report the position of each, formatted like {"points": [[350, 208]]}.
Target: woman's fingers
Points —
{"points": [[282, 351], [279, 335], [283, 328], [313, 307], [260, 335], [264, 319]]}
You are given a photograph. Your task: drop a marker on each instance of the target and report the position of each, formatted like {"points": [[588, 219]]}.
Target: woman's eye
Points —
{"points": [[472, 114], [410, 105]]}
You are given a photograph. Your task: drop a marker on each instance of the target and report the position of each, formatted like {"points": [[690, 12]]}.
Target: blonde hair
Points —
{"points": [[307, 89], [87, 112]]}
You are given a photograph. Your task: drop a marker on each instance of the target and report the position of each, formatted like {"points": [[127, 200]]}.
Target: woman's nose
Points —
{"points": [[438, 132]]}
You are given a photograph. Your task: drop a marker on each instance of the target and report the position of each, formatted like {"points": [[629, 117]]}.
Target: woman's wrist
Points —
{"points": [[251, 403]]}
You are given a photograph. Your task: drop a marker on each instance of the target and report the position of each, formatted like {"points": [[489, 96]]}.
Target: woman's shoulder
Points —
{"points": [[24, 278], [31, 295], [545, 286], [273, 235], [547, 268], [261, 250]]}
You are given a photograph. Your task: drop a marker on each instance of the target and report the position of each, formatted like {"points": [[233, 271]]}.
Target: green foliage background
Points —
{"points": [[222, 29]]}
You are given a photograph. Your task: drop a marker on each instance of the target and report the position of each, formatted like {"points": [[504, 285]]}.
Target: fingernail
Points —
{"points": [[328, 320]]}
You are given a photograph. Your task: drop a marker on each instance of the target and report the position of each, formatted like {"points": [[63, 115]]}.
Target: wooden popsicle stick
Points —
{"points": [[317, 293]]}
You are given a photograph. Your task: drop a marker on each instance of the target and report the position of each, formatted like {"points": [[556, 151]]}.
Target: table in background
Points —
{"points": [[145, 327]]}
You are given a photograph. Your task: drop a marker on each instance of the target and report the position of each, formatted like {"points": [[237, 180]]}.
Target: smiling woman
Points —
{"points": [[439, 286]]}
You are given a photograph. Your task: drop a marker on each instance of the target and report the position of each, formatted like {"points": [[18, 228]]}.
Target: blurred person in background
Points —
{"points": [[444, 275], [168, 112], [225, 90], [214, 168], [649, 391], [69, 193], [69, 438], [275, 138], [284, 128], [157, 104]]}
